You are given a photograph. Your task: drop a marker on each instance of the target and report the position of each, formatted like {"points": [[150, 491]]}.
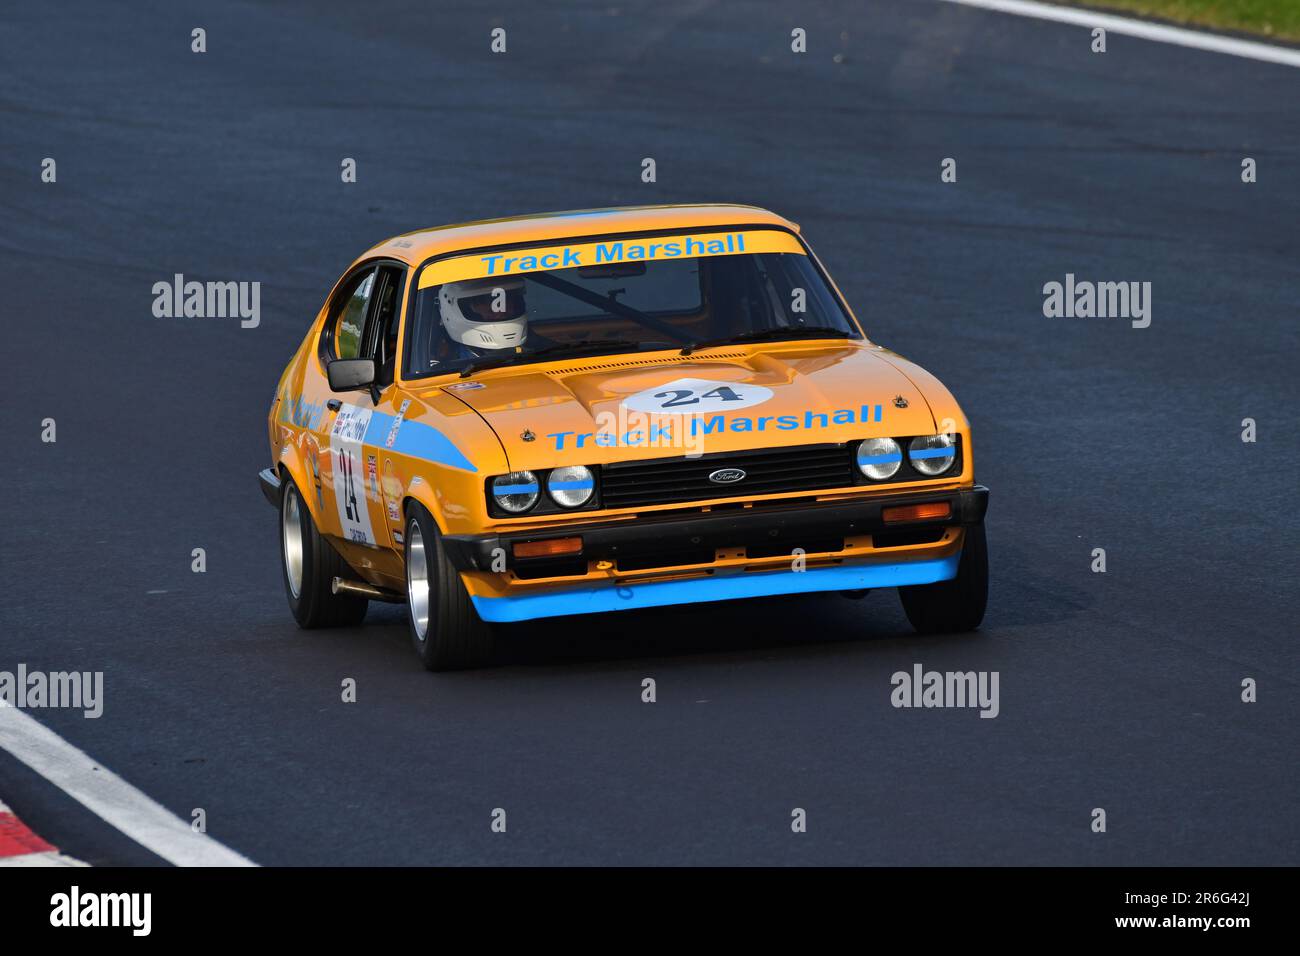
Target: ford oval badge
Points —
{"points": [[727, 476]]}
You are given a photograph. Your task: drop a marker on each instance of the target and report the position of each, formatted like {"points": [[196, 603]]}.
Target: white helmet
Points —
{"points": [[470, 319]]}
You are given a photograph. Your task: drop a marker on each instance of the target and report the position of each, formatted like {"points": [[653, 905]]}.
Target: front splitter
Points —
{"points": [[719, 586]]}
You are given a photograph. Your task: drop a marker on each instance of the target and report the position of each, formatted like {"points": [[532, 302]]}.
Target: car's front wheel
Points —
{"points": [[310, 564], [957, 605], [445, 628]]}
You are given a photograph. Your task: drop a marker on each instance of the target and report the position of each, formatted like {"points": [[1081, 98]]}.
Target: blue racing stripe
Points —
{"points": [[417, 440], [934, 453], [880, 459]]}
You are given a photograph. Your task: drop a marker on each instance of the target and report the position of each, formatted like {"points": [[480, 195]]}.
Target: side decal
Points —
{"points": [[414, 439], [355, 438], [350, 427]]}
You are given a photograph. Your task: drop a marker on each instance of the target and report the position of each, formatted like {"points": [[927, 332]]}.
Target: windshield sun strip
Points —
{"points": [[405, 375]]}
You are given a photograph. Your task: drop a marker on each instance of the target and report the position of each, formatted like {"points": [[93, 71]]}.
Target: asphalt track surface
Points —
{"points": [[1118, 690]]}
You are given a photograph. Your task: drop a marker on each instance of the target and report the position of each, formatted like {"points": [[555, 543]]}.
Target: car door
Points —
{"points": [[336, 452], [352, 434], [383, 490]]}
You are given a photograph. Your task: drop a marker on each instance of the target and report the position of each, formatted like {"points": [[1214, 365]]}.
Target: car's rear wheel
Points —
{"points": [[445, 628], [957, 605], [310, 564]]}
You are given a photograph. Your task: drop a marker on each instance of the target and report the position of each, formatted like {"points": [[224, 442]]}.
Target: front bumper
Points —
{"points": [[764, 525], [270, 483]]}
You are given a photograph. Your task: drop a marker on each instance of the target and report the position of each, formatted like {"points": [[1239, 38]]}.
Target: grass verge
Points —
{"points": [[1270, 19]]}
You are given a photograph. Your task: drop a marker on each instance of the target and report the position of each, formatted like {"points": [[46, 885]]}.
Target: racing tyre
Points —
{"points": [[947, 607], [445, 628], [309, 565]]}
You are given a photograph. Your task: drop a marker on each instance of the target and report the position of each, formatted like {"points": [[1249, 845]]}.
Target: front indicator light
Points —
{"points": [[932, 454], [927, 512], [879, 458], [571, 486], [516, 492], [546, 549]]}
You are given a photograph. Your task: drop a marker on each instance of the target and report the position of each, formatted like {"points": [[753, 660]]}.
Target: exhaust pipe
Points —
{"points": [[361, 589]]}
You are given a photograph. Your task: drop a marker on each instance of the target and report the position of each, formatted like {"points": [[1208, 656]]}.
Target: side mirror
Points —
{"points": [[351, 375]]}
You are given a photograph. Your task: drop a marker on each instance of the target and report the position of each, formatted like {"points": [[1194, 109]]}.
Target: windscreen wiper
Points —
{"points": [[605, 303], [772, 335], [561, 350]]}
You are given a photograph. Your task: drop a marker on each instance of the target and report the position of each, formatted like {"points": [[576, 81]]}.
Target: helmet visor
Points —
{"points": [[493, 306]]}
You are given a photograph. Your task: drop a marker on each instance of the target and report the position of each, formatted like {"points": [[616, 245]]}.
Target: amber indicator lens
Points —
{"points": [[547, 548], [925, 512]]}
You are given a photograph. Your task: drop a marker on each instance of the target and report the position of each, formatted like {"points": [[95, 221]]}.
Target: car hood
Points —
{"points": [[619, 408]]}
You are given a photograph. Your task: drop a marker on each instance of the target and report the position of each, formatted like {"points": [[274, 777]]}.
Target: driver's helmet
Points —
{"points": [[469, 318]]}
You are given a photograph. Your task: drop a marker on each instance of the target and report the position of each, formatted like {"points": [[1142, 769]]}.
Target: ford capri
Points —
{"points": [[609, 410]]}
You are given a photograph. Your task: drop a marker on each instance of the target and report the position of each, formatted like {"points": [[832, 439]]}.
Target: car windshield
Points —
{"points": [[685, 292]]}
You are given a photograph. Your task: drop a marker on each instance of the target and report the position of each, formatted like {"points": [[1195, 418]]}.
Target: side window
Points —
{"points": [[347, 323]]}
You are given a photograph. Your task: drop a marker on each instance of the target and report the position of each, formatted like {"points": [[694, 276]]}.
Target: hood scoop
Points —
{"points": [[637, 363]]}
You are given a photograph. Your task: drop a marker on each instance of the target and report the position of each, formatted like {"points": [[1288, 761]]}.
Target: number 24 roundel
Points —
{"points": [[691, 396]]}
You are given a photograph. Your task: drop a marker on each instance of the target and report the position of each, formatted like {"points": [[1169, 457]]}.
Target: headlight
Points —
{"points": [[516, 492], [879, 458], [570, 486], [932, 454]]}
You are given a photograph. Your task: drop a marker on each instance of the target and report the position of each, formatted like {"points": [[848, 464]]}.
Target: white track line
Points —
{"points": [[108, 796], [1158, 32], [39, 859]]}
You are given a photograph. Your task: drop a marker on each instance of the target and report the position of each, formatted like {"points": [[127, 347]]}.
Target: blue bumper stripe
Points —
{"points": [[716, 587]]}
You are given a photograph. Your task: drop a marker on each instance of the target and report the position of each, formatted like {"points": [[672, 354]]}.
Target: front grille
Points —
{"points": [[768, 471]]}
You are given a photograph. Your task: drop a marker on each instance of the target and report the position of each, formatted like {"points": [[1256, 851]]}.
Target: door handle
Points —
{"points": [[334, 404]]}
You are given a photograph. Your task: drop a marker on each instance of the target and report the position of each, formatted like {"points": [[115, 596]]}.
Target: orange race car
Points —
{"points": [[608, 410]]}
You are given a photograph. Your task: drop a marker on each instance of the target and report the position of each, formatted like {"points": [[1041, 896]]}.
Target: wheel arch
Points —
{"points": [[292, 467], [423, 492]]}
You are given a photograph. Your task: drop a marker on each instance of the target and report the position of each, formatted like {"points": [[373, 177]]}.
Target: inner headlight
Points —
{"points": [[879, 458], [571, 486], [516, 492], [932, 454]]}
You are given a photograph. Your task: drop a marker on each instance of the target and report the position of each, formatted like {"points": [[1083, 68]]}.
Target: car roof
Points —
{"points": [[416, 247]]}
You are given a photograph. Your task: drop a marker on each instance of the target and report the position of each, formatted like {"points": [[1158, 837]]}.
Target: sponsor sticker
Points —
{"points": [[643, 430], [349, 488], [397, 423], [610, 252]]}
